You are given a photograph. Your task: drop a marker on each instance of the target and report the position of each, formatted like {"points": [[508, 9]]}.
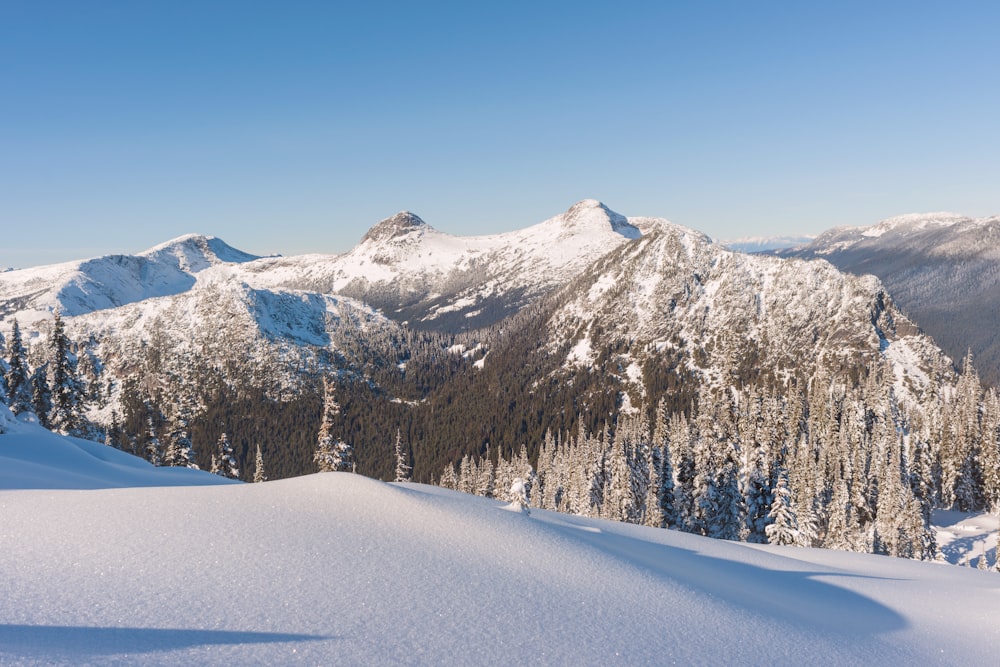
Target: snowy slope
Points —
{"points": [[417, 273], [80, 287], [339, 569], [34, 458], [943, 270]]}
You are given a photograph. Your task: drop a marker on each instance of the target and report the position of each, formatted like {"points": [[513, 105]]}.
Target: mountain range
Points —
{"points": [[589, 310], [943, 269]]}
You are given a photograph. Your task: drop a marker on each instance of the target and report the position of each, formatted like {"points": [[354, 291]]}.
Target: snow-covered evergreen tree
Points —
{"points": [[41, 395], [518, 496], [618, 503], [154, 450], [332, 454], [179, 451], [783, 527], [448, 478], [224, 460], [67, 390], [258, 471], [402, 467], [18, 377]]}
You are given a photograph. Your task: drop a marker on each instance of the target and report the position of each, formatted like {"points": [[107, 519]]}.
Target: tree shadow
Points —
{"points": [[96, 641], [962, 549], [798, 597]]}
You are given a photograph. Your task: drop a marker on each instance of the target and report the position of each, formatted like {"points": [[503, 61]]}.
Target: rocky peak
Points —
{"points": [[593, 214], [396, 226]]}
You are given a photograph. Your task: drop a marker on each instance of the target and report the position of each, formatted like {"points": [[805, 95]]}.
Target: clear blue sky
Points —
{"points": [[294, 126]]}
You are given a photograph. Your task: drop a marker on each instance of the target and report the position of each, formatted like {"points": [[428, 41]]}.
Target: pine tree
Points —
{"points": [[662, 464], [331, 454], [783, 527], [223, 459], [685, 474], [18, 378], [448, 478], [113, 435], [180, 450], [41, 395], [403, 470], [154, 450], [258, 472], [653, 514], [66, 388], [619, 502]]}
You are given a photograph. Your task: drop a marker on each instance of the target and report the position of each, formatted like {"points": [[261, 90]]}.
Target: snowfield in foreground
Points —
{"points": [[336, 568]]}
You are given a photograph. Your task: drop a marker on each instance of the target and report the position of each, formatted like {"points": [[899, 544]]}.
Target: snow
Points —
{"points": [[964, 538], [335, 568], [581, 353], [34, 458]]}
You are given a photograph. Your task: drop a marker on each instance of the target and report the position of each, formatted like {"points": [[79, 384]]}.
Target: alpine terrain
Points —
{"points": [[625, 368], [943, 269]]}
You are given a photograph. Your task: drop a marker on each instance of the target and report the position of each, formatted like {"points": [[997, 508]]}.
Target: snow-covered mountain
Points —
{"points": [[79, 287], [632, 304], [943, 270], [438, 281], [243, 574], [277, 337], [720, 314]]}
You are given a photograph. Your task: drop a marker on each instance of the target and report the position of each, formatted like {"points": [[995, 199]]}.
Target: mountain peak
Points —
{"points": [[396, 226], [195, 252], [591, 213]]}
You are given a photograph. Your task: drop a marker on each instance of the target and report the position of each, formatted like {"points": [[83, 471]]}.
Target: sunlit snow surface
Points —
{"points": [[340, 569]]}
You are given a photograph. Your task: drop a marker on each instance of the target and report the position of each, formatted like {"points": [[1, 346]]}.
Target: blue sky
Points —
{"points": [[294, 126]]}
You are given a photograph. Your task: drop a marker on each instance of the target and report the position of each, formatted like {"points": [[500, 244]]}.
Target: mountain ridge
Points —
{"points": [[943, 270]]}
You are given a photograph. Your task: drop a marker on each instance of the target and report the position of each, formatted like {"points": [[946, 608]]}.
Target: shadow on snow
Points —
{"points": [[82, 640]]}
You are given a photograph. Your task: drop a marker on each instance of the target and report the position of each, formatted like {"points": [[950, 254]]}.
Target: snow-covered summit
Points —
{"points": [[196, 252], [402, 224], [84, 286], [592, 216], [417, 273]]}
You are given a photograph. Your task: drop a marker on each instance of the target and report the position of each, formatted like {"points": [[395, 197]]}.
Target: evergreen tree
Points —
{"points": [[258, 471], [783, 527], [223, 459], [41, 395], [113, 434], [661, 464], [18, 378], [619, 502], [331, 454], [448, 479], [180, 450], [402, 468], [66, 387], [685, 473], [154, 450], [653, 514]]}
